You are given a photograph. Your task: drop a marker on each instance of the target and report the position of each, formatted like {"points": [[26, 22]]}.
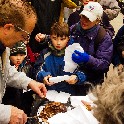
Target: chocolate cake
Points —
{"points": [[52, 109]]}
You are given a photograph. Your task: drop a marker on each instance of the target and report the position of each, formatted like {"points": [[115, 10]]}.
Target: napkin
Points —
{"points": [[59, 78], [74, 116], [70, 65], [53, 95]]}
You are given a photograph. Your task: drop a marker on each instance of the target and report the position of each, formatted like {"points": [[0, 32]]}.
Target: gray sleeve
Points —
{"points": [[112, 8], [5, 113], [14, 78]]}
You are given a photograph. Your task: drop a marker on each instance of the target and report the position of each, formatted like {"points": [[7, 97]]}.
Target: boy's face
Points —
{"points": [[59, 42], [17, 59]]}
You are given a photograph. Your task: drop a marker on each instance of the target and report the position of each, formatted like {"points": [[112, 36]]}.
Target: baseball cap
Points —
{"points": [[93, 11]]}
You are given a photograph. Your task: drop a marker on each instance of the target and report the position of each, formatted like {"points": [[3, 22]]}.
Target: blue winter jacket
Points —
{"points": [[100, 58], [54, 66]]}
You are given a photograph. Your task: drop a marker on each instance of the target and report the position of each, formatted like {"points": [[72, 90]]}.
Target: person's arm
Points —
{"points": [[111, 8], [117, 40], [5, 113], [102, 58], [19, 79], [81, 77], [42, 73]]}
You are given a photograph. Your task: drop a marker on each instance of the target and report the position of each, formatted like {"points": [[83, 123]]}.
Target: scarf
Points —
{"points": [[55, 51]]}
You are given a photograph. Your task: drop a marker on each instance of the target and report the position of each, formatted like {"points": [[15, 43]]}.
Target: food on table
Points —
{"points": [[87, 105], [52, 109]]}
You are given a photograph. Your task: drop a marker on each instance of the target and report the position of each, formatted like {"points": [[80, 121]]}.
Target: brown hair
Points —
{"points": [[110, 101], [15, 12], [60, 29]]}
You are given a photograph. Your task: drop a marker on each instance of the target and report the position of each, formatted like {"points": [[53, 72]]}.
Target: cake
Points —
{"points": [[52, 109]]}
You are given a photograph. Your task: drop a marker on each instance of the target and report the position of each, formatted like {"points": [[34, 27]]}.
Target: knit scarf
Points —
{"points": [[56, 52]]}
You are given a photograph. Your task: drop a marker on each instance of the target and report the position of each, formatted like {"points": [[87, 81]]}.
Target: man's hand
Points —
{"points": [[17, 116], [37, 87]]}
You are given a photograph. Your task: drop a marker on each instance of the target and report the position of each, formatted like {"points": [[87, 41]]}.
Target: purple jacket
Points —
{"points": [[100, 58]]}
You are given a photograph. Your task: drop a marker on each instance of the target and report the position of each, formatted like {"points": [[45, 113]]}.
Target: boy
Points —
{"points": [[53, 58], [15, 96]]}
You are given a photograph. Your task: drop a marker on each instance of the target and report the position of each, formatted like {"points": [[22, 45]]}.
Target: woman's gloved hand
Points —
{"points": [[79, 57]]}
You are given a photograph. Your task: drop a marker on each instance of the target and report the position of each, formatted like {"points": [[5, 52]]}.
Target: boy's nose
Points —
{"points": [[58, 42], [18, 57]]}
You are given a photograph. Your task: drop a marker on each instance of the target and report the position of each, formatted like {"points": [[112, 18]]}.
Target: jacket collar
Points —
{"points": [[90, 33]]}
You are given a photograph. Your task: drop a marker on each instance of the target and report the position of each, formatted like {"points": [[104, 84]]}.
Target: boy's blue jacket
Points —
{"points": [[54, 65]]}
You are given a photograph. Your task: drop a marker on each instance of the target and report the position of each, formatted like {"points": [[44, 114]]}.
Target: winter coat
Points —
{"points": [[118, 45], [100, 58], [11, 77], [48, 12], [111, 8], [54, 65]]}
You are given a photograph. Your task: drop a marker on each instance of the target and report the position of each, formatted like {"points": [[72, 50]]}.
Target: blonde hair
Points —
{"points": [[110, 100]]}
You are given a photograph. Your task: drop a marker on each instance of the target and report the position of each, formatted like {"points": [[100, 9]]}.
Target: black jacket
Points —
{"points": [[48, 12]]}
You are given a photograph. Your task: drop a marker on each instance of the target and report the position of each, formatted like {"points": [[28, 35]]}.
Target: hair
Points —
{"points": [[110, 100], [60, 29], [15, 12]]}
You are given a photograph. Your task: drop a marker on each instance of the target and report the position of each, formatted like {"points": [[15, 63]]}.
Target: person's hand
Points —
{"points": [[17, 116], [122, 54], [120, 68], [72, 79], [37, 87], [39, 37], [79, 57], [88, 105], [46, 80]]}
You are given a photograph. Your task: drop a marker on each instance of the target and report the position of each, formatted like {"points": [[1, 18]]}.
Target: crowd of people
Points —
{"points": [[33, 40]]}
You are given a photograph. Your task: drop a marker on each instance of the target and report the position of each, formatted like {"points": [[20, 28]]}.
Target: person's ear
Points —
{"points": [[8, 28]]}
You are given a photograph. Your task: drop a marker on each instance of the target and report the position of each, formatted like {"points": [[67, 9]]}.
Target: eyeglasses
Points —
{"points": [[26, 38]]}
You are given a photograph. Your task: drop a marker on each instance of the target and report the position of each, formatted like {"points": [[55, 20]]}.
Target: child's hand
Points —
{"points": [[120, 68], [46, 80], [72, 80], [39, 37]]}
